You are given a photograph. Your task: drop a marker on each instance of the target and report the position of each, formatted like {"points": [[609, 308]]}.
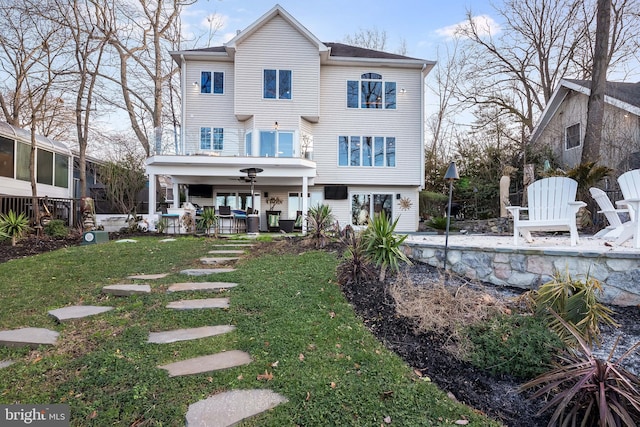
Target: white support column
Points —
{"points": [[305, 203], [152, 195], [176, 195]]}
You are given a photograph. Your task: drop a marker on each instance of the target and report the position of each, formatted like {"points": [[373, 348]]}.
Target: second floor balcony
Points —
{"points": [[237, 142]]}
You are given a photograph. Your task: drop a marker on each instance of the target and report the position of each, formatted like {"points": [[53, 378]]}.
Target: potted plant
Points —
{"points": [[273, 216]]}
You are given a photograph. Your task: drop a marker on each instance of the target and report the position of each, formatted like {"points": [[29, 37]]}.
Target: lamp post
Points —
{"points": [[451, 175], [252, 220]]}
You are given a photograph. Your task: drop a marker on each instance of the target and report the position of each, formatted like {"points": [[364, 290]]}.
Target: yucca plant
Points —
{"points": [[14, 226], [588, 391], [356, 266], [320, 224], [576, 302], [383, 244], [208, 219]]}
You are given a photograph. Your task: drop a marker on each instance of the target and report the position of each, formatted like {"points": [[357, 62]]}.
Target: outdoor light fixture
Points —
{"points": [[450, 176], [195, 83], [275, 126]]}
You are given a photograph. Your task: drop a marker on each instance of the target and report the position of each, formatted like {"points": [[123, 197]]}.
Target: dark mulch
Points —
{"points": [[33, 245]]}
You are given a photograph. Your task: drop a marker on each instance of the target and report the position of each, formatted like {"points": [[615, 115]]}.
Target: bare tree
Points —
{"points": [[140, 34], [375, 39], [595, 105]]}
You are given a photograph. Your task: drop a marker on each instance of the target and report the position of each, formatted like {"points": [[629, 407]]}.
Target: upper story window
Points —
{"points": [[371, 92], [277, 84], [572, 136], [366, 151], [211, 140], [212, 82]]}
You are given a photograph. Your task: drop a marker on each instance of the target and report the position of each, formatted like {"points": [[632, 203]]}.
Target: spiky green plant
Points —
{"points": [[356, 266], [588, 391], [208, 219], [576, 302], [320, 224], [383, 244], [14, 226]]}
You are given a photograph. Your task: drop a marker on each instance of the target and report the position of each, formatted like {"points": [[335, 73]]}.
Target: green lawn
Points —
{"points": [[290, 314]]}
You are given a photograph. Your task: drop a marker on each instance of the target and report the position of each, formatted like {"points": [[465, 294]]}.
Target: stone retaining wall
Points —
{"points": [[528, 268]]}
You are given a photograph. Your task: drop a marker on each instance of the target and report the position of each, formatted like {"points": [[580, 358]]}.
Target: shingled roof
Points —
{"points": [[625, 92]]}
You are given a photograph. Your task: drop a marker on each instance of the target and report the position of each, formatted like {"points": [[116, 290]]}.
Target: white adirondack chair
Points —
{"points": [[629, 183], [615, 227], [552, 206]]}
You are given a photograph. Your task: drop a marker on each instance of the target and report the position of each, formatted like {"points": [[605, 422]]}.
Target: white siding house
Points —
{"points": [[340, 124]]}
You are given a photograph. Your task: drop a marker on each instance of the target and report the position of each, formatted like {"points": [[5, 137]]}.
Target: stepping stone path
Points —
{"points": [[148, 276], [201, 286], [222, 410], [188, 334], [126, 241], [214, 362], [126, 290], [235, 245], [32, 337], [77, 311], [206, 271], [194, 304], [231, 407], [218, 260], [6, 363], [167, 240]]}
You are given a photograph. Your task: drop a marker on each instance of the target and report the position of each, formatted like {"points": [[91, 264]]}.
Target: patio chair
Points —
{"points": [[552, 206], [612, 214], [224, 214], [629, 183]]}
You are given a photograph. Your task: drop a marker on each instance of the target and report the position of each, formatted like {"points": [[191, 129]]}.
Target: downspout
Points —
{"points": [[423, 124], [183, 91]]}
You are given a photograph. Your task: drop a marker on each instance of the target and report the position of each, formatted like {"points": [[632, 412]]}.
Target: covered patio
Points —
{"points": [[229, 184]]}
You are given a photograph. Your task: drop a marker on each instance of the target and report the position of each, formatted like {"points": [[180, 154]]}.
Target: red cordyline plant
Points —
{"points": [[589, 391]]}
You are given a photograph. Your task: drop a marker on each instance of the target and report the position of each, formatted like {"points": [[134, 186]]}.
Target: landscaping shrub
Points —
{"points": [[356, 266], [518, 345], [14, 226], [320, 224], [382, 245], [56, 228]]}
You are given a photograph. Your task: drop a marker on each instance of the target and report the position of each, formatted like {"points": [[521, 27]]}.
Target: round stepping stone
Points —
{"points": [[213, 362], [28, 336], [193, 304], [126, 290], [188, 334], [201, 286], [206, 271], [231, 407], [6, 363], [77, 311], [218, 260], [148, 276]]}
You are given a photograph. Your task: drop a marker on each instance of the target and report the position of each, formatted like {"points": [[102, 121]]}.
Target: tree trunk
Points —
{"points": [[595, 106]]}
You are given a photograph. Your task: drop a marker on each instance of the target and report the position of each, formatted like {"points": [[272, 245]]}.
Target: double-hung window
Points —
{"points": [[211, 138], [366, 151], [277, 84], [212, 82], [371, 91], [572, 136]]}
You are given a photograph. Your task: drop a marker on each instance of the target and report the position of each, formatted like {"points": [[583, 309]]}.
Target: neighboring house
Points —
{"points": [[56, 167], [564, 120], [341, 124]]}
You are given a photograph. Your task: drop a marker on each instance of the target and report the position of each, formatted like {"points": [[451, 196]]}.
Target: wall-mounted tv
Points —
{"points": [[335, 192], [200, 190]]}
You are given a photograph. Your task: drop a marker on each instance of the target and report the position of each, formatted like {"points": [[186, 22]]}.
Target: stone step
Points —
{"points": [[213, 362], [6, 363], [148, 276], [32, 337], [167, 337], [232, 244], [126, 241], [201, 286], [206, 271], [77, 311], [194, 304], [231, 407], [228, 251], [168, 240], [218, 260], [126, 290]]}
